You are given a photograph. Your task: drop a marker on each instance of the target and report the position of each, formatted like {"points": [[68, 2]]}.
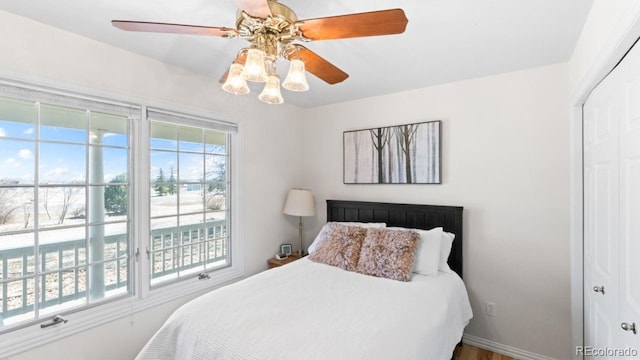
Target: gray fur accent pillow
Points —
{"points": [[388, 253], [341, 246]]}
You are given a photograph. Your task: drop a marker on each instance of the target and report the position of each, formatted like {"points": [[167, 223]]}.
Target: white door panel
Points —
{"points": [[603, 322], [612, 207], [601, 211], [630, 196]]}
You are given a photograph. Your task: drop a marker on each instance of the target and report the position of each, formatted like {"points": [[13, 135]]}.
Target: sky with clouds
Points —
{"points": [[59, 162], [63, 163]]}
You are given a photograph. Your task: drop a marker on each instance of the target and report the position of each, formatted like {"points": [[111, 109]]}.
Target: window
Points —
{"points": [[64, 204], [189, 214], [71, 234]]}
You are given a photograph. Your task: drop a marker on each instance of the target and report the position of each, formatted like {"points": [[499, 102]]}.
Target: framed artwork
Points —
{"points": [[285, 249], [403, 154]]}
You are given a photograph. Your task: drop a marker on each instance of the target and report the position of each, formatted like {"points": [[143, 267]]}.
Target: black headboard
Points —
{"points": [[404, 215]]}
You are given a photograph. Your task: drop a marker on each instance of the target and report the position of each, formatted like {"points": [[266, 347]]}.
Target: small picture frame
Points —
{"points": [[286, 249]]}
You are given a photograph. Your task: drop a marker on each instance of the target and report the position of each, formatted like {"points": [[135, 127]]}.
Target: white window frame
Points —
{"points": [[45, 97], [143, 296], [198, 122]]}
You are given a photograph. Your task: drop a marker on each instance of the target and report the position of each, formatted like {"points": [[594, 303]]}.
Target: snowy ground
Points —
{"points": [[190, 202]]}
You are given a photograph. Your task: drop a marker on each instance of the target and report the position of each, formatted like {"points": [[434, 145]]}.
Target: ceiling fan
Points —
{"points": [[274, 32]]}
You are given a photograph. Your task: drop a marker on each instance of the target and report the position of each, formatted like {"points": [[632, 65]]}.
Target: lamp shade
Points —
{"points": [[299, 203], [235, 84], [271, 92], [296, 79], [254, 69]]}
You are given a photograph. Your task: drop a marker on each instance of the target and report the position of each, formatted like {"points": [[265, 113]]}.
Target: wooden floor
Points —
{"points": [[468, 352]]}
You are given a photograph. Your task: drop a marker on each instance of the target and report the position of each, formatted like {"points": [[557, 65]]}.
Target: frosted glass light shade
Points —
{"points": [[254, 69], [271, 92], [299, 203], [296, 79], [235, 84]]}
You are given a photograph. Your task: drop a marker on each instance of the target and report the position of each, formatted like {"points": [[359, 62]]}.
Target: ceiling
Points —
{"points": [[445, 40]]}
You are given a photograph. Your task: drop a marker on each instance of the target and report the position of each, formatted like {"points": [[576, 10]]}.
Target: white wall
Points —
{"points": [[506, 160], [270, 148]]}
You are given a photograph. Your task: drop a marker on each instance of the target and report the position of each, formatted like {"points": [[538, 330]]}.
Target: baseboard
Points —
{"points": [[502, 349]]}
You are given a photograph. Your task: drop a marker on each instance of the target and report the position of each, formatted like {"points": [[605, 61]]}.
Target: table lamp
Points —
{"points": [[299, 203]]}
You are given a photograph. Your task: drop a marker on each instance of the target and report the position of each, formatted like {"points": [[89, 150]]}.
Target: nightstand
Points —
{"points": [[273, 262]]}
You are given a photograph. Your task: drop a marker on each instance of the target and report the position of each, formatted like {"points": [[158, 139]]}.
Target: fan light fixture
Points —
{"points": [[271, 39], [261, 68], [272, 30], [255, 69]]}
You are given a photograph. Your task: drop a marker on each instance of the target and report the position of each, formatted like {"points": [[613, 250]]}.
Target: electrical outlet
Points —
{"points": [[490, 308]]}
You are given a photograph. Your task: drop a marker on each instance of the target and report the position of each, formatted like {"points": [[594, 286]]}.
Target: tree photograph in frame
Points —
{"points": [[403, 154]]}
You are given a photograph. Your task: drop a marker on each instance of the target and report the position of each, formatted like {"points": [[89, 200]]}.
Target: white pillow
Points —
{"points": [[321, 235], [445, 250], [428, 252]]}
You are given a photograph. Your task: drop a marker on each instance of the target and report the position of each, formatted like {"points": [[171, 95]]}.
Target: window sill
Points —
{"points": [[33, 336]]}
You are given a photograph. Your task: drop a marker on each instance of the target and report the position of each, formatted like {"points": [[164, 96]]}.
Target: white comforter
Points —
{"points": [[306, 310]]}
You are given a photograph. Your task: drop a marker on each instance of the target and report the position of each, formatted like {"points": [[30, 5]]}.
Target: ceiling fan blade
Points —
{"points": [[320, 67], [384, 22], [255, 8], [171, 28], [241, 58]]}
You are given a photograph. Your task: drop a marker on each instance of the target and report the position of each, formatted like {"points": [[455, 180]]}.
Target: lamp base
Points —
{"points": [[300, 253]]}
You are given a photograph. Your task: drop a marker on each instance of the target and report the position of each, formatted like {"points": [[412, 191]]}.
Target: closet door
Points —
{"points": [[629, 71], [601, 204], [612, 208]]}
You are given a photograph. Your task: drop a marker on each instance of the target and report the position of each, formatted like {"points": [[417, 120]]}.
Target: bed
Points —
{"points": [[309, 310]]}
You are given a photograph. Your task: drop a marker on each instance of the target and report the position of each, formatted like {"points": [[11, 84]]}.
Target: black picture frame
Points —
{"points": [[286, 249], [400, 154]]}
